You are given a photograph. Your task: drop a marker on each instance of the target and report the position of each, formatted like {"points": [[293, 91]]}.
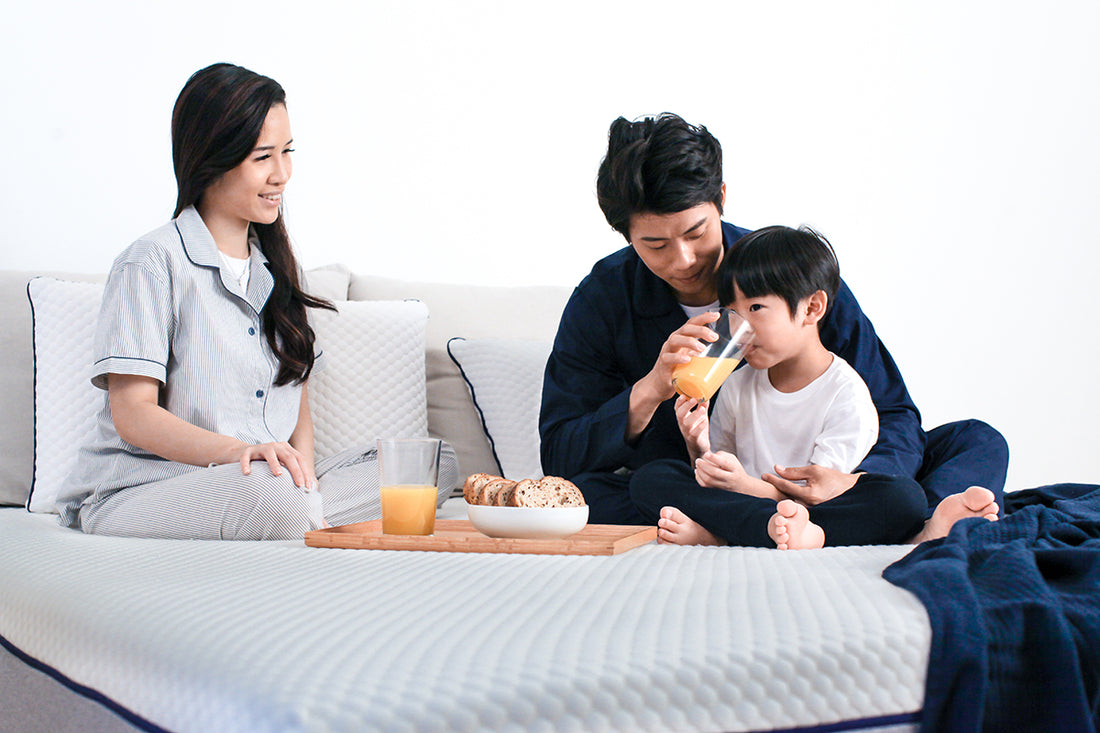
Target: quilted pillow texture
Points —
{"points": [[505, 380], [65, 402], [371, 383]]}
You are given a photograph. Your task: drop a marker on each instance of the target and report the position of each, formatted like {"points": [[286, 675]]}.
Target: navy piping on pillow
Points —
{"points": [[34, 396], [473, 395], [878, 721], [34, 390], [93, 695]]}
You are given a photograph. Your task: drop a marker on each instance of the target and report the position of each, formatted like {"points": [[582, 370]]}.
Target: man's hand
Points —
{"points": [[656, 386], [821, 485], [682, 344]]}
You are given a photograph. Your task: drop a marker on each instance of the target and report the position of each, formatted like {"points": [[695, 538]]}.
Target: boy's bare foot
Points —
{"points": [[676, 528], [974, 502], [792, 529]]}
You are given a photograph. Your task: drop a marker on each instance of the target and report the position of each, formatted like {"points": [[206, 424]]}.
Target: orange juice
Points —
{"points": [[408, 509], [702, 376]]}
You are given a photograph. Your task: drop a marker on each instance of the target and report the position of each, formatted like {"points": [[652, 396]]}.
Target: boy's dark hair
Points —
{"points": [[791, 263], [660, 165]]}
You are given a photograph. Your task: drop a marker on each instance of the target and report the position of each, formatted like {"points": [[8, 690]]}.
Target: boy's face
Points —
{"points": [[779, 336], [683, 248]]}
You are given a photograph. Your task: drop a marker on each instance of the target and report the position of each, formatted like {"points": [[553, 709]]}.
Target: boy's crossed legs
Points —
{"points": [[877, 510], [792, 529]]}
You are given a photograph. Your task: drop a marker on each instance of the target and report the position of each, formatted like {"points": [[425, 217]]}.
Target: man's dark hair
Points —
{"points": [[790, 263], [659, 165]]}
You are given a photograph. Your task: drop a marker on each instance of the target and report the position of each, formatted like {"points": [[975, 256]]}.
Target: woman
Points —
{"points": [[204, 348]]}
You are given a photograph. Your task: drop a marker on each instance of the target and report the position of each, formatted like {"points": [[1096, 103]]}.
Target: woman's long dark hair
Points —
{"points": [[215, 125]]}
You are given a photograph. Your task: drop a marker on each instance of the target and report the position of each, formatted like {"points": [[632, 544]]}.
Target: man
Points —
{"points": [[607, 407]]}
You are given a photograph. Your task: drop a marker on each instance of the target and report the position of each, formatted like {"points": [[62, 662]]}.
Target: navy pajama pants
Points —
{"points": [[957, 455]]}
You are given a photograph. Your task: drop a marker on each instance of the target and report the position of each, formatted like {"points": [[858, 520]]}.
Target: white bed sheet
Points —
{"points": [[199, 636]]}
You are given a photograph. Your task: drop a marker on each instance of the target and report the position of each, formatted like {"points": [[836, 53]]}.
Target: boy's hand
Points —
{"points": [[720, 470], [691, 416], [723, 470], [822, 483]]}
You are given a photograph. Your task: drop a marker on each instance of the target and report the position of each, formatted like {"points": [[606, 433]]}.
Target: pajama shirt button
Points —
{"points": [[251, 331], [259, 393]]}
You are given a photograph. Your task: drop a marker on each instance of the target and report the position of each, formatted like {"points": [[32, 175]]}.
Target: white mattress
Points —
{"points": [[200, 636]]}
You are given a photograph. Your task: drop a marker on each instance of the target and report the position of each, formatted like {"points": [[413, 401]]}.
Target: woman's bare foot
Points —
{"points": [[974, 502], [676, 528], [792, 529]]}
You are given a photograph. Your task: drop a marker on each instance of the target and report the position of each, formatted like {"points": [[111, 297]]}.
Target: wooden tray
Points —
{"points": [[458, 535]]}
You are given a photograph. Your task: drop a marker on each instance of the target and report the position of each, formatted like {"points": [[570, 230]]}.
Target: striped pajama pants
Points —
{"points": [[222, 503]]}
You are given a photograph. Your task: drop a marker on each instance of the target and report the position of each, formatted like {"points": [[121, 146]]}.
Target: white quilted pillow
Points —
{"points": [[505, 380], [372, 382], [65, 402]]}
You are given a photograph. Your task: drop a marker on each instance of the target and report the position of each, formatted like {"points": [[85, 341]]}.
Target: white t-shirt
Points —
{"points": [[238, 269], [830, 422]]}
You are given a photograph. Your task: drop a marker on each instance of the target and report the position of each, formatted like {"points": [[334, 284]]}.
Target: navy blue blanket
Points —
{"points": [[1015, 611]]}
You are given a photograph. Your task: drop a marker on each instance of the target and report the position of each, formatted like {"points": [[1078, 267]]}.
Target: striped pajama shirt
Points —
{"points": [[172, 311]]}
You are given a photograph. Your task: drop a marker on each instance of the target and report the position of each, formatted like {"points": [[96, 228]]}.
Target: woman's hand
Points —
{"points": [[822, 483], [691, 416], [277, 456], [142, 422]]}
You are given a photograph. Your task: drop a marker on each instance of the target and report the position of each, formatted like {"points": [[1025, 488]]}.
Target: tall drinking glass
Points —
{"points": [[408, 473], [701, 377]]}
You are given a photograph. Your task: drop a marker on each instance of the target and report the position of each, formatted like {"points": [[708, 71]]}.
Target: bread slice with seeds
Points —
{"points": [[533, 494], [489, 490], [565, 492], [505, 495], [550, 491], [473, 485]]}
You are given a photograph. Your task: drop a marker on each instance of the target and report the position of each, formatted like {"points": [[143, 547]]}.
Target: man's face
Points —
{"points": [[683, 248]]}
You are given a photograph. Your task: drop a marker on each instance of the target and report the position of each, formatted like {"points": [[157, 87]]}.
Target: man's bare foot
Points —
{"points": [[974, 502], [676, 528], [792, 529]]}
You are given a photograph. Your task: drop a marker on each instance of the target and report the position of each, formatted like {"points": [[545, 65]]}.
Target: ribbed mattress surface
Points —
{"points": [[201, 636]]}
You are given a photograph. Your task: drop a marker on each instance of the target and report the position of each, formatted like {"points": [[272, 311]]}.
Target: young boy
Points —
{"points": [[798, 403]]}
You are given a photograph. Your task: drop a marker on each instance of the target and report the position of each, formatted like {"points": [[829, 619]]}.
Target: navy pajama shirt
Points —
{"points": [[611, 332]]}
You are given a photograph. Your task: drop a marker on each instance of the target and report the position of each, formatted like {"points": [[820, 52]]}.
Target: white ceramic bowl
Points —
{"points": [[528, 523]]}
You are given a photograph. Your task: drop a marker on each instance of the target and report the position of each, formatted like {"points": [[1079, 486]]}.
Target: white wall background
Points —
{"points": [[950, 150]]}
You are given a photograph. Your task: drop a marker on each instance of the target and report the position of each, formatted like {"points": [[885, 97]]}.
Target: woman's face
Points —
{"points": [[253, 191]]}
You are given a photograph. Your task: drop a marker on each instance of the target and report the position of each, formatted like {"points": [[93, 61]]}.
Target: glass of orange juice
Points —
{"points": [[701, 377], [408, 473]]}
